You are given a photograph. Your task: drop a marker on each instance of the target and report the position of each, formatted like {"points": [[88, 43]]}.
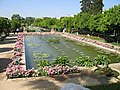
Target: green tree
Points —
{"points": [[30, 20], [16, 21], [86, 6], [83, 21], [91, 6], [5, 25], [97, 6]]}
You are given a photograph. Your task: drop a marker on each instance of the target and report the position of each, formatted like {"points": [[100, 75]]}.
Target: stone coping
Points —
{"points": [[23, 56]]}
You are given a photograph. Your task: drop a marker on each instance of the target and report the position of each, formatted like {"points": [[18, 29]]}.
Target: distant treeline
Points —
{"points": [[105, 24]]}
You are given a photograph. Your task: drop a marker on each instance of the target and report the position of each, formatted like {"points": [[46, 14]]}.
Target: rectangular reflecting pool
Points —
{"points": [[65, 47]]}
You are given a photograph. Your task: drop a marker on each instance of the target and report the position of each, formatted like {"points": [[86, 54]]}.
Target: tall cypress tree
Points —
{"points": [[91, 6], [86, 6], [97, 6]]}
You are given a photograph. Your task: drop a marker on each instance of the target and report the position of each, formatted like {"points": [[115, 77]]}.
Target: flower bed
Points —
{"points": [[15, 69]]}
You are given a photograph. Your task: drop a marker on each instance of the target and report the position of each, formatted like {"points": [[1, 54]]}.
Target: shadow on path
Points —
{"points": [[3, 63], [56, 82], [9, 39], [5, 49], [42, 84], [6, 42]]}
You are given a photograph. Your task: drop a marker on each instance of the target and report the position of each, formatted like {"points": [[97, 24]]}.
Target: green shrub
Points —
{"points": [[101, 60], [62, 60], [107, 71], [42, 63], [84, 61]]}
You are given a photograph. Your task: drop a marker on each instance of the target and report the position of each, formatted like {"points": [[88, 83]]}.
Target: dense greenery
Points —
{"points": [[16, 22], [4, 25], [84, 61], [90, 62]]}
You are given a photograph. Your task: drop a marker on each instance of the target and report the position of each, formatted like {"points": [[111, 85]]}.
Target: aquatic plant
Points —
{"points": [[40, 56], [54, 40], [33, 45]]}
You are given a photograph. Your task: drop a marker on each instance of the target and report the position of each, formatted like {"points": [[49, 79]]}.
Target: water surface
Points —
{"points": [[66, 47]]}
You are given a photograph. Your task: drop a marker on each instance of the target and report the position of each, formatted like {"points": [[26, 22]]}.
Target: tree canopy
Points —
{"points": [[91, 6]]}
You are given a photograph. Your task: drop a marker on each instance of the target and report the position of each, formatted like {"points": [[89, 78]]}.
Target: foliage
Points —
{"points": [[54, 40], [62, 60], [5, 25], [97, 6], [107, 71], [42, 63], [16, 21], [28, 30], [33, 45], [90, 62], [101, 60], [91, 6], [45, 22], [86, 6], [40, 56], [84, 61], [29, 20]]}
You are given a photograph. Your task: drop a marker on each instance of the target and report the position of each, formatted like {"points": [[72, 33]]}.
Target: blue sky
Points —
{"points": [[43, 8]]}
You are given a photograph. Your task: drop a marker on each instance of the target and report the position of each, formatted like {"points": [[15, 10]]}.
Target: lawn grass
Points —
{"points": [[116, 44], [114, 86]]}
